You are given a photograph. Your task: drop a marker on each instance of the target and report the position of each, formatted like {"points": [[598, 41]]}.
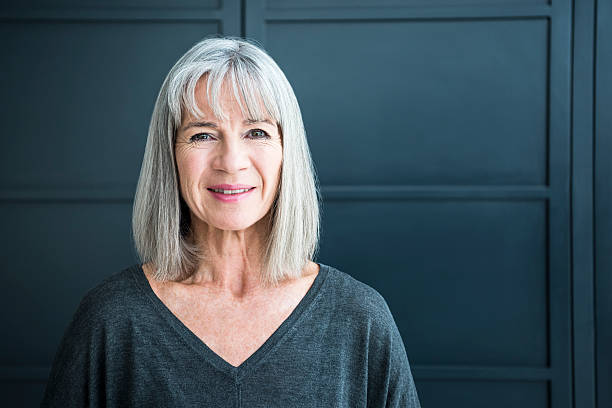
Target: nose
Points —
{"points": [[231, 156]]}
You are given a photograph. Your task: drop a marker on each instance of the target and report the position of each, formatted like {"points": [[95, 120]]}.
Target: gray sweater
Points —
{"points": [[340, 347]]}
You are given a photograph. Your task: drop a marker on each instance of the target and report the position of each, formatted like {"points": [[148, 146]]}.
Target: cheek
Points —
{"points": [[190, 168], [272, 165]]}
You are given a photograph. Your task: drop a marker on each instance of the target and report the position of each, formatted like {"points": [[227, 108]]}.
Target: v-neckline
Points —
{"points": [[236, 372]]}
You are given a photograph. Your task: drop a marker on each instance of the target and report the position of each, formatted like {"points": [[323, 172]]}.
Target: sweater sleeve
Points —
{"points": [[402, 390], [390, 382], [77, 365]]}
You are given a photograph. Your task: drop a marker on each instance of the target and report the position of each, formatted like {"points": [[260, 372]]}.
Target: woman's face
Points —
{"points": [[235, 154]]}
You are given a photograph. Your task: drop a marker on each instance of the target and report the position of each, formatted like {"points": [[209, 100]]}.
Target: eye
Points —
{"points": [[200, 137], [259, 134]]}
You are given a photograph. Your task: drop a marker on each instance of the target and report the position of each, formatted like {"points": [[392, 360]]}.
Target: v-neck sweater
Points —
{"points": [[339, 347]]}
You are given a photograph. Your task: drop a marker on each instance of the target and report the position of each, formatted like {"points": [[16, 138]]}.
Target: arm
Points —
{"points": [[401, 391], [390, 381], [69, 383]]}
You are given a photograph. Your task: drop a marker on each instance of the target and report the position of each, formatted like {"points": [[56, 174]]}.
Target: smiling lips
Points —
{"points": [[230, 192]]}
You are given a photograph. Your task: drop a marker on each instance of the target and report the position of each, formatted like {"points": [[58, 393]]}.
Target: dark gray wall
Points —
{"points": [[463, 147], [602, 152]]}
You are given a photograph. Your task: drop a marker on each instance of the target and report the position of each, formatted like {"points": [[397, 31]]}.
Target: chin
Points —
{"points": [[232, 226]]}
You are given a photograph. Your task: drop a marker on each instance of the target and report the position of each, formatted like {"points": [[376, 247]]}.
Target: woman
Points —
{"points": [[228, 309]]}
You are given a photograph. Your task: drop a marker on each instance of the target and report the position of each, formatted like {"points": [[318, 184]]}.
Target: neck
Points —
{"points": [[232, 259]]}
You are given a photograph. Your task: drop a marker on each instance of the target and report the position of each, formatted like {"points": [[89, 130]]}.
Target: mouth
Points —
{"points": [[230, 196], [230, 191]]}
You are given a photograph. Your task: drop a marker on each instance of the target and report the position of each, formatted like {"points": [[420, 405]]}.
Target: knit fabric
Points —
{"points": [[340, 347]]}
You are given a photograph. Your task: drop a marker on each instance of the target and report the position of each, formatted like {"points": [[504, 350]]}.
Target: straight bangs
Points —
{"points": [[254, 92]]}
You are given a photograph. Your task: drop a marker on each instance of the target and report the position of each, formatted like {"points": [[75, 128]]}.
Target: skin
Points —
{"points": [[223, 302], [234, 153]]}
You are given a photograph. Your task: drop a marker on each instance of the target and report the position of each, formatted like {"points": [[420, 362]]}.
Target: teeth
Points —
{"points": [[217, 190]]}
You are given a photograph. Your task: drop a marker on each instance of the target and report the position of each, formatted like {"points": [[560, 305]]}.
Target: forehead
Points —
{"points": [[225, 94], [224, 100]]}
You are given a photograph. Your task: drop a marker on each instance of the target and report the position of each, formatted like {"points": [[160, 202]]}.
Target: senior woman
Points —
{"points": [[227, 308]]}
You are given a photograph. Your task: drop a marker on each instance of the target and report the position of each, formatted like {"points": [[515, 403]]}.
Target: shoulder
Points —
{"points": [[369, 329], [110, 298], [356, 299], [92, 339]]}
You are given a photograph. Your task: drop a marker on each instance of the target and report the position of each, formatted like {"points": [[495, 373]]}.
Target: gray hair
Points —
{"points": [[161, 218]]}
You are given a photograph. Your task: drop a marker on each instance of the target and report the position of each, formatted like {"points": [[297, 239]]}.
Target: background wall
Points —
{"points": [[464, 149]]}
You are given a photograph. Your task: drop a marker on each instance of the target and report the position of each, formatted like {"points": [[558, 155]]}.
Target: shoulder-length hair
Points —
{"points": [[161, 218]]}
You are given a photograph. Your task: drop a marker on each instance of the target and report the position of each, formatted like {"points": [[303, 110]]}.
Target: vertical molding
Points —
{"points": [[603, 201], [255, 20], [231, 19], [582, 204], [559, 228]]}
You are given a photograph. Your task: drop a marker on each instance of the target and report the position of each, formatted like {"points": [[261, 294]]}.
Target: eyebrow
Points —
{"points": [[215, 126]]}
